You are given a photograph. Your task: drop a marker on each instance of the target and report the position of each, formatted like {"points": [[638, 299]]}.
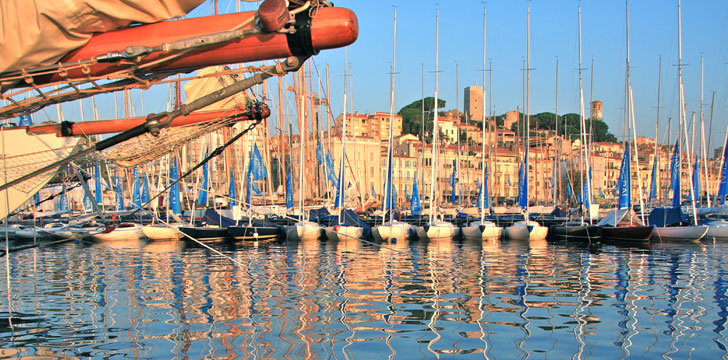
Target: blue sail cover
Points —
{"points": [[119, 194], [231, 190], [696, 182], [63, 203], [568, 190], [174, 194], [145, 190], [587, 191], [415, 202], [653, 183], [249, 186], [624, 184], [256, 166], [319, 153], [523, 185], [202, 199], [337, 202], [675, 175], [453, 176], [289, 191], [486, 191], [666, 217], [97, 184], [480, 192], [136, 197], [331, 173], [388, 199]]}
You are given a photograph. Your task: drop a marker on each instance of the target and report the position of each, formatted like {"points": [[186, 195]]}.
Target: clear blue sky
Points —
{"points": [[653, 33]]}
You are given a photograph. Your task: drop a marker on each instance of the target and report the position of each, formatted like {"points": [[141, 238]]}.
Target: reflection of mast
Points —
{"points": [[521, 292]]}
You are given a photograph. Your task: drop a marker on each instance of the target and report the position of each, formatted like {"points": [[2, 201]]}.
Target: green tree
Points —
{"points": [[412, 115]]}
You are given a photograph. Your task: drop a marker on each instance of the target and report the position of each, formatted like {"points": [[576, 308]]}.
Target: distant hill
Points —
{"points": [[412, 121]]}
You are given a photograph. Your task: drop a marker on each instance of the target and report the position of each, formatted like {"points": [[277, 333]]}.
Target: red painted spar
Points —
{"points": [[330, 27]]}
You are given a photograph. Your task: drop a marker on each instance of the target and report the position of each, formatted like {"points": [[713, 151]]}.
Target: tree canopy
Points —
{"points": [[412, 115], [412, 121]]}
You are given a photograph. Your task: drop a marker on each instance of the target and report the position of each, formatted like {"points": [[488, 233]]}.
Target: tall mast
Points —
{"points": [[302, 135], [342, 165], [527, 145], [388, 191], [422, 134], [435, 126], [630, 115], [457, 118], [683, 119], [702, 134], [494, 124], [557, 188], [657, 123], [583, 153], [482, 104]]}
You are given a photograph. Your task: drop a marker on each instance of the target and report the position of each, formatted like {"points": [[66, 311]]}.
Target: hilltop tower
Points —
{"points": [[596, 110], [473, 107]]}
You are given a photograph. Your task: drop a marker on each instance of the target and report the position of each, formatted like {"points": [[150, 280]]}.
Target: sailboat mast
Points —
{"points": [[302, 138], [683, 117], [583, 153], [527, 145], [482, 103], [342, 163], [422, 134], [557, 188], [702, 135], [657, 125], [435, 126], [388, 191], [457, 118]]}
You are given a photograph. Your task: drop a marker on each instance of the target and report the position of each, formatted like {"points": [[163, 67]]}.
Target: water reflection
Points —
{"points": [[348, 299]]}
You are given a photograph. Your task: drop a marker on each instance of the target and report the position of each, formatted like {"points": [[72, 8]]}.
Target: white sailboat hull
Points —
{"points": [[681, 233], [128, 232], [162, 232], [486, 230], [717, 229], [344, 232], [393, 230], [437, 230], [523, 230], [303, 231]]}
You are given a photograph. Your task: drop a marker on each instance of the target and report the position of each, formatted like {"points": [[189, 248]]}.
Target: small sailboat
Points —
{"points": [[391, 230], [436, 229], [622, 225], [671, 224], [302, 230], [581, 230], [254, 229], [483, 229], [526, 229], [346, 226]]}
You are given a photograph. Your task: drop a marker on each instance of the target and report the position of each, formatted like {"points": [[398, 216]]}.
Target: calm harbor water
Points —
{"points": [[350, 300]]}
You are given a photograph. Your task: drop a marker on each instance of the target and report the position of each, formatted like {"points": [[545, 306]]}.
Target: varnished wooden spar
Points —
{"points": [[68, 128], [331, 27]]}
